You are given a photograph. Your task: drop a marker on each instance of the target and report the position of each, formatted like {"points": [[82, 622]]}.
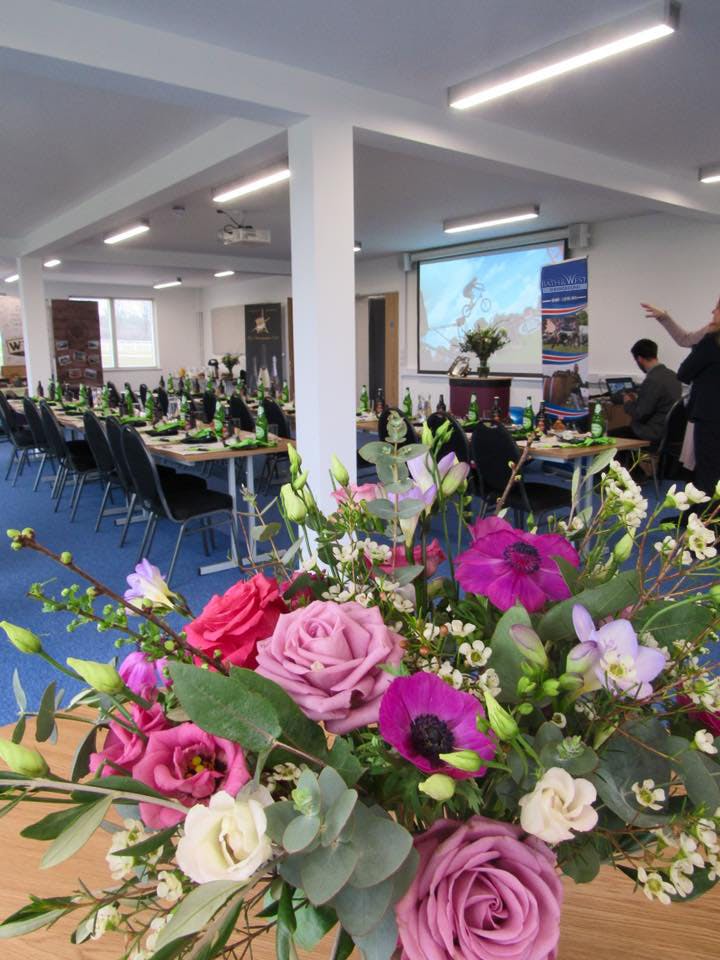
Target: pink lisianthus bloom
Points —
{"points": [[187, 764], [434, 556], [327, 657], [511, 566], [147, 583], [140, 675], [234, 622], [611, 657], [358, 493], [123, 748], [482, 891]]}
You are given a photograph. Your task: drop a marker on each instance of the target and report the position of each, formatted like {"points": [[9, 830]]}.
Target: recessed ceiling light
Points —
{"points": [[653, 21], [250, 186], [224, 273], [709, 174], [168, 283], [52, 263], [13, 278], [493, 219], [132, 231], [357, 246]]}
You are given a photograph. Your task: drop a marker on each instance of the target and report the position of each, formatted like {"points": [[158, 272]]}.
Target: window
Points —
{"points": [[127, 332]]}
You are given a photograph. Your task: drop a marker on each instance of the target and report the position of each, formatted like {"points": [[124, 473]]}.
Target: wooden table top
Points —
{"points": [[603, 920], [540, 449]]}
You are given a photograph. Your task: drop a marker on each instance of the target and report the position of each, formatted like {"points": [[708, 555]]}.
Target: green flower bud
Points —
{"points": [[102, 677], [551, 688], [569, 682], [715, 592], [340, 474], [16, 545], [66, 557], [453, 479], [300, 481], [467, 760], [524, 709], [529, 644], [292, 505], [28, 532], [623, 548], [501, 721], [438, 786], [23, 760], [13, 533], [427, 435], [525, 686], [294, 458], [24, 640]]}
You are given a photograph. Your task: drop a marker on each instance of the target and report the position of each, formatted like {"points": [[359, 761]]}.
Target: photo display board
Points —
{"points": [[76, 329], [565, 338]]}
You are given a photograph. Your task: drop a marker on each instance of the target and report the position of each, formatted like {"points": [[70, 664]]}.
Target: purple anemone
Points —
{"points": [[509, 566], [422, 717]]}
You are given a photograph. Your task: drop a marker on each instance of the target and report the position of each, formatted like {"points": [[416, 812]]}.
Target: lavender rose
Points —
{"points": [[327, 657], [481, 892]]}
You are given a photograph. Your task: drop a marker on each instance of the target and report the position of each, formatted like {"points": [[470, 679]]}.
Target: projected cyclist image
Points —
{"points": [[499, 288]]}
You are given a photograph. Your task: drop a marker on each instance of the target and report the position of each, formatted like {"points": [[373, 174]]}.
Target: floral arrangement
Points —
{"points": [[362, 744], [230, 361], [483, 340]]}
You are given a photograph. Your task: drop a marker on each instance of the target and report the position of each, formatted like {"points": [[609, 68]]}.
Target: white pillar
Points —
{"points": [[323, 288], [33, 310]]}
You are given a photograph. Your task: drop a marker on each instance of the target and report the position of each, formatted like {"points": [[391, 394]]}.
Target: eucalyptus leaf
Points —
{"points": [[344, 946], [197, 909], [360, 910], [312, 924], [579, 859], [300, 833], [383, 509], [325, 871], [77, 834], [337, 816], [580, 765], [382, 847], [266, 532], [279, 816], [603, 601], [332, 787], [507, 658], [407, 509], [221, 706], [668, 621], [374, 450], [408, 573], [380, 943]]}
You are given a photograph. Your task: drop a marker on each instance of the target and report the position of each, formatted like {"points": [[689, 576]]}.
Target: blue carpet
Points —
{"points": [[100, 554]]}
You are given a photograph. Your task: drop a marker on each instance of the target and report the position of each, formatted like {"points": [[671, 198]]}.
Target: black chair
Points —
{"points": [[74, 459], [172, 501], [278, 424], [104, 459], [163, 400], [209, 402], [494, 450], [239, 411], [19, 436], [113, 395], [143, 390], [457, 441], [410, 436], [670, 444], [35, 425]]}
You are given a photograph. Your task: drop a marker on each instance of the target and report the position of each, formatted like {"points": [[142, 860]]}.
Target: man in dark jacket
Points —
{"points": [[701, 369], [660, 389]]}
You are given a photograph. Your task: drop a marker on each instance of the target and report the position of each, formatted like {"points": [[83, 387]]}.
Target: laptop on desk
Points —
{"points": [[617, 386]]}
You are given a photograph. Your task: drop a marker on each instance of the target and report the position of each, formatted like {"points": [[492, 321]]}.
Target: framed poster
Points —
{"points": [[11, 332], [76, 330], [263, 341]]}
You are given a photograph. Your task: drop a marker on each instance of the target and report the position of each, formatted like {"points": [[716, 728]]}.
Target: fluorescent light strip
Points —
{"points": [[13, 278], [250, 186], [709, 174], [168, 283], [357, 246], [224, 273], [126, 234], [482, 221], [52, 263]]}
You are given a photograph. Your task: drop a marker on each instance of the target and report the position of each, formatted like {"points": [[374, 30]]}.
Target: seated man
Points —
{"points": [[649, 407]]}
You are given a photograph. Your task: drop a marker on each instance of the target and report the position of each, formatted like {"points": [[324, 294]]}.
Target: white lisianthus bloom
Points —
{"points": [[704, 742], [226, 840], [557, 806]]}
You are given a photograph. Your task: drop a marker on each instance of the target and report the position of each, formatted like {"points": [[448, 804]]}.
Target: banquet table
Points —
{"points": [[604, 920]]}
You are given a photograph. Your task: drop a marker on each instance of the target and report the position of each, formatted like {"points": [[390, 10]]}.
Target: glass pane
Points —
{"points": [[106, 342], [135, 333]]}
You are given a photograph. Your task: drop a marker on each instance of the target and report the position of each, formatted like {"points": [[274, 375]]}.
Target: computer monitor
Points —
{"points": [[618, 385]]}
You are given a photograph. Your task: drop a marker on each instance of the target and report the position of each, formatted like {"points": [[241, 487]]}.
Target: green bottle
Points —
{"points": [[219, 420], [597, 424], [149, 407], [473, 414], [58, 392], [407, 403], [184, 409], [171, 384], [105, 402], [364, 400], [83, 395], [261, 392], [181, 386], [261, 425], [285, 395], [528, 420], [239, 387], [129, 406]]}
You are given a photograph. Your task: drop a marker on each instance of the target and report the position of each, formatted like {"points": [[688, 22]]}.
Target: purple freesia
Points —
{"points": [[423, 717], [140, 675], [611, 656], [509, 566], [147, 583]]}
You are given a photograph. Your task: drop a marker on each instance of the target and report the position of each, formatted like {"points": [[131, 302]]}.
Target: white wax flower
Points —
{"points": [[704, 741], [226, 840], [557, 806], [648, 795]]}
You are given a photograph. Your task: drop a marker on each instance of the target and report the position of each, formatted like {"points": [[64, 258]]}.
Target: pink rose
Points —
{"points": [[327, 657], [481, 891], [434, 556], [184, 763], [123, 747], [234, 622], [139, 674], [363, 491]]}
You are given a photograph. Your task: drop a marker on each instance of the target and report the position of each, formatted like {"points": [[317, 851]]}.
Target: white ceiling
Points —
{"points": [[655, 105]]}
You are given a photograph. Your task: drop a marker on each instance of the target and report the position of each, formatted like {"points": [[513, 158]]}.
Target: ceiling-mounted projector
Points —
{"points": [[230, 234]]}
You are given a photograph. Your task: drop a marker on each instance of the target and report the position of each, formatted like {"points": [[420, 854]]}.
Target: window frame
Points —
{"points": [[113, 332]]}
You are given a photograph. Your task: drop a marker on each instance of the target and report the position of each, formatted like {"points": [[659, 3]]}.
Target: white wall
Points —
{"points": [[178, 325]]}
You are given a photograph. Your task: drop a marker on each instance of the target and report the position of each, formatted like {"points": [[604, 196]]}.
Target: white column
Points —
{"points": [[323, 287], [33, 310]]}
